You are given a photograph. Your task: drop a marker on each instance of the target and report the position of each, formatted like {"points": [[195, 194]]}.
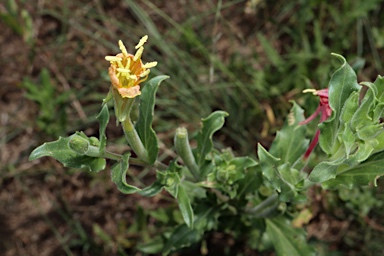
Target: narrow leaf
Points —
{"points": [[154, 246], [181, 237], [287, 240], [185, 206], [103, 119], [144, 124]]}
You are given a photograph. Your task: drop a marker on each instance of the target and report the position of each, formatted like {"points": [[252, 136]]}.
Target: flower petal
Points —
{"points": [[313, 116], [131, 92], [112, 75], [312, 145]]}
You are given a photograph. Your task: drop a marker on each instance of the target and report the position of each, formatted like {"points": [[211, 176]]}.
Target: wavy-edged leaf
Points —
{"points": [[61, 151], [118, 176], [211, 124], [152, 190], [341, 85], [144, 124], [360, 135], [362, 174]]}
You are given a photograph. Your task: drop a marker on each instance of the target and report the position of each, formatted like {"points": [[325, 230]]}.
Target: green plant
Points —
{"points": [[52, 116], [19, 20], [247, 197]]}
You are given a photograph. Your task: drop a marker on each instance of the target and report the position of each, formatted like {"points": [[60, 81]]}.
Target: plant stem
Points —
{"points": [[159, 165], [264, 208], [112, 156], [134, 161], [134, 140]]}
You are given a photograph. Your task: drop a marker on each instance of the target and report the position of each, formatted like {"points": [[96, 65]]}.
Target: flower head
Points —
{"points": [[324, 110], [127, 71]]}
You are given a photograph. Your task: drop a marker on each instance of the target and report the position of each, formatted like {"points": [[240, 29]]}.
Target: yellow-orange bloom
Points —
{"points": [[127, 71]]}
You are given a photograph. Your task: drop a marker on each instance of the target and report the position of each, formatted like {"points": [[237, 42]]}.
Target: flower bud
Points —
{"points": [[184, 150], [82, 146]]}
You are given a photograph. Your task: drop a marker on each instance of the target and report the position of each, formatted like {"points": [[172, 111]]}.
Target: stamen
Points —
{"points": [[120, 64], [122, 48], [142, 41], [309, 90], [145, 73], [143, 79], [123, 70], [138, 54], [128, 63], [150, 64], [113, 58]]}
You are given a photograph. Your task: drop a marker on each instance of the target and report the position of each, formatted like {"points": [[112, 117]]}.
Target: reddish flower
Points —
{"points": [[325, 112]]}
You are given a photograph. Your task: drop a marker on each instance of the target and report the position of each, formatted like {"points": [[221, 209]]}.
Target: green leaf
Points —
{"points": [[144, 124], [240, 165], [290, 143], [206, 217], [270, 51], [181, 237], [289, 177], [185, 206], [281, 175], [61, 151], [152, 190], [167, 179], [269, 164], [359, 175], [154, 246], [342, 84], [228, 172], [360, 135], [251, 182], [170, 178], [243, 162], [103, 119], [288, 241], [118, 176], [266, 208], [362, 117], [211, 124]]}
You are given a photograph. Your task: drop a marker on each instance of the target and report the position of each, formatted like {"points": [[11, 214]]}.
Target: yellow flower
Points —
{"points": [[127, 71]]}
